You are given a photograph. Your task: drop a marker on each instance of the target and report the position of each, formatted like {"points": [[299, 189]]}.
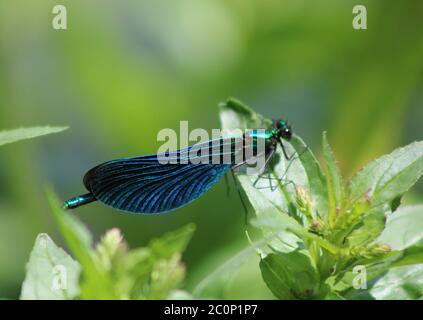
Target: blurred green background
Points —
{"points": [[125, 69]]}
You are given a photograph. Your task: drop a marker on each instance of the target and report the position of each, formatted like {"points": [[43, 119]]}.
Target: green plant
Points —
{"points": [[107, 271], [324, 237], [15, 135]]}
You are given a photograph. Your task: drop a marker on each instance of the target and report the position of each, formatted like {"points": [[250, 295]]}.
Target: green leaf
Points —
{"points": [[172, 242], [10, 136], [390, 176], [402, 283], [76, 235], [371, 225], [168, 271], [290, 275], [215, 283], [51, 273], [335, 184], [96, 284], [153, 272], [404, 227], [274, 220], [166, 275], [280, 225], [316, 179], [409, 256]]}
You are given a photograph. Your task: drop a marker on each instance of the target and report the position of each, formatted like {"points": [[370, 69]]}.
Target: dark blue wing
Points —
{"points": [[145, 185]]}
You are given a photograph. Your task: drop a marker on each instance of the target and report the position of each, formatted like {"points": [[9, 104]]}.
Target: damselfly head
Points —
{"points": [[284, 129]]}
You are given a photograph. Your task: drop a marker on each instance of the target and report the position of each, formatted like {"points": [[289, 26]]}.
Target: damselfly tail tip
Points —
{"points": [[78, 201]]}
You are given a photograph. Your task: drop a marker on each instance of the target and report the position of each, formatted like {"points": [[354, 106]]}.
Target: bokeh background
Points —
{"points": [[125, 69]]}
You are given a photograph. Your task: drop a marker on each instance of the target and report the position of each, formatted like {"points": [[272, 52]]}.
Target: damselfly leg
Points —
{"points": [[279, 181]]}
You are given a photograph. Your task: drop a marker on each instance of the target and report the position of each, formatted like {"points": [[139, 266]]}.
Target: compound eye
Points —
{"points": [[287, 133]]}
